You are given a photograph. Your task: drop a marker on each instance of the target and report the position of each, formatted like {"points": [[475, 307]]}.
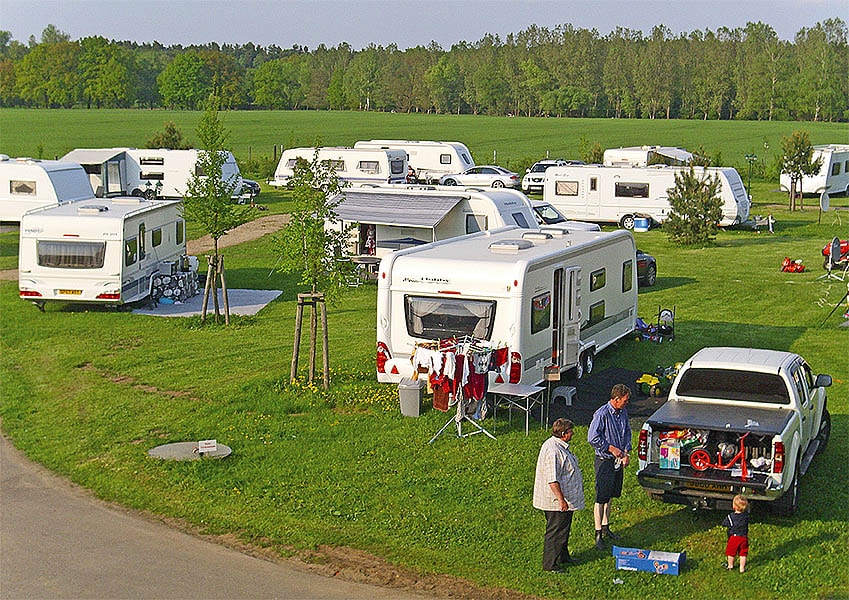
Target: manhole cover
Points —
{"points": [[187, 451]]}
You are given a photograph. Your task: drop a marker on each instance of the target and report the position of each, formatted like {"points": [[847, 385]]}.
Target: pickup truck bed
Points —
{"points": [[696, 415]]}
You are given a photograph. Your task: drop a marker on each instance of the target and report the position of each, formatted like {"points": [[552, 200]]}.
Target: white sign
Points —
{"points": [[207, 446]]}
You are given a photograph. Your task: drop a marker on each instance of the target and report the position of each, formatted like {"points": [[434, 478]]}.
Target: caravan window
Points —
{"points": [[593, 184], [598, 279], [541, 312], [435, 318], [152, 160], [199, 172], [566, 188], [445, 159], [396, 167], [368, 166], [596, 313], [156, 237], [180, 232], [521, 221], [475, 223], [71, 255], [142, 245], [290, 164], [334, 165], [92, 169], [152, 175], [22, 188], [131, 251], [627, 275], [846, 167], [632, 190], [835, 169]]}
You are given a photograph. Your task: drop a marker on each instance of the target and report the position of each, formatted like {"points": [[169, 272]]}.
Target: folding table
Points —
{"points": [[523, 397]]}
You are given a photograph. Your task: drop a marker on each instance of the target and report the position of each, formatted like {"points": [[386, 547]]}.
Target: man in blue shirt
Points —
{"points": [[610, 436]]}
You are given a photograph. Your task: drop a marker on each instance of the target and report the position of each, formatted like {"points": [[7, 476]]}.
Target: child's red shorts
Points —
{"points": [[737, 544]]}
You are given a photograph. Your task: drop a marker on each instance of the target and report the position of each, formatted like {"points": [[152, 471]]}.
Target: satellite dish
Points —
{"points": [[825, 201]]}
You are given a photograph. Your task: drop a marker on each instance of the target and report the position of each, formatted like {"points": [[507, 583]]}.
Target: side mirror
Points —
{"points": [[822, 381], [528, 170]]}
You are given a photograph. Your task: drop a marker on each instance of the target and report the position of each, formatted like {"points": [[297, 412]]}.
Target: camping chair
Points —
{"points": [[832, 263]]}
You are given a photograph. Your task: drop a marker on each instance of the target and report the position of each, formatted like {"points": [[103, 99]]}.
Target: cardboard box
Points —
{"points": [[651, 561], [670, 454]]}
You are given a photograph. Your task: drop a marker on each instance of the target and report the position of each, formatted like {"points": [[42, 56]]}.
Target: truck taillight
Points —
{"points": [[643, 446], [30, 294], [109, 296], [778, 457], [382, 356], [515, 367]]}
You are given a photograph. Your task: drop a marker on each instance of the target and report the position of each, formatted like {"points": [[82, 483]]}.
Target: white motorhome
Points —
{"points": [[389, 218], [429, 160], [623, 194], [833, 176], [643, 156], [103, 251], [356, 166], [27, 184], [147, 172], [553, 298]]}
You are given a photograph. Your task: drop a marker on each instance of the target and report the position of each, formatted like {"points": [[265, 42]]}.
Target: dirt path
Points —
{"points": [[244, 233]]}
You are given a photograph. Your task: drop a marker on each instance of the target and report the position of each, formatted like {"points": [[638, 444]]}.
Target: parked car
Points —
{"points": [[483, 175], [546, 214], [534, 178], [646, 269]]}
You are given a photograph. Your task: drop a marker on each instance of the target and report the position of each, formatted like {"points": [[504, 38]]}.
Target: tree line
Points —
{"points": [[740, 73]]}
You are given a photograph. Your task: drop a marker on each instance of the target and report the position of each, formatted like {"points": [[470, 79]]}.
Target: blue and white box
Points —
{"points": [[651, 561]]}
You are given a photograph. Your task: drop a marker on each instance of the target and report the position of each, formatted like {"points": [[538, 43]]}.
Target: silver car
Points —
{"points": [[483, 176]]}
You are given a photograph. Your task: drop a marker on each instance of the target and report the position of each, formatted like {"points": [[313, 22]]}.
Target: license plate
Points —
{"points": [[70, 292], [713, 487]]}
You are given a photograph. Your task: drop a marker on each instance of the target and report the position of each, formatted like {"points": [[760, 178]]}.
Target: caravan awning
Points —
{"points": [[92, 156], [408, 210], [677, 154]]}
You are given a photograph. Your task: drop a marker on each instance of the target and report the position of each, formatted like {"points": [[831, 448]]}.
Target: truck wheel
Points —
{"points": [[700, 459], [825, 430], [787, 504], [627, 222], [579, 368], [651, 275]]}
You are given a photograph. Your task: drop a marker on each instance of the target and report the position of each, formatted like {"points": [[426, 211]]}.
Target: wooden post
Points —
{"points": [[210, 274], [299, 315], [224, 291], [325, 347], [313, 300], [215, 275], [313, 340]]}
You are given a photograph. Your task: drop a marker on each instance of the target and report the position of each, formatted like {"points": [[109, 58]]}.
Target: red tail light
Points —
{"points": [[515, 367], [778, 457], [382, 356], [643, 446], [29, 294], [109, 296]]}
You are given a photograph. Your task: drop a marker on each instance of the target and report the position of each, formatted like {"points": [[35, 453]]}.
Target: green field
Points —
{"points": [[88, 392]]}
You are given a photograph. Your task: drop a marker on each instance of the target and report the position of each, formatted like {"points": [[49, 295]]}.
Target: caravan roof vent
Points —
{"points": [[554, 232], [537, 235], [91, 209], [511, 246], [126, 200], [4, 157]]}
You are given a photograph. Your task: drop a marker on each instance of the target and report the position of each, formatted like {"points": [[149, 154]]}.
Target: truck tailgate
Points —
{"points": [[703, 415]]}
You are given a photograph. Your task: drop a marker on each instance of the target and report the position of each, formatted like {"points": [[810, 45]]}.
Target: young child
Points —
{"points": [[738, 533]]}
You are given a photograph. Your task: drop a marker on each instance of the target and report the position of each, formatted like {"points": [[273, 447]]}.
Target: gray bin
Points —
{"points": [[410, 393]]}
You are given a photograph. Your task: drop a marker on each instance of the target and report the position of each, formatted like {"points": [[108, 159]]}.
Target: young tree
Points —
{"points": [[172, 137], [696, 209], [797, 161], [314, 244], [208, 200]]}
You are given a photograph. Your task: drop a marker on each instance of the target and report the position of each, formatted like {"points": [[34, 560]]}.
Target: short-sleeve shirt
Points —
{"points": [[557, 463]]}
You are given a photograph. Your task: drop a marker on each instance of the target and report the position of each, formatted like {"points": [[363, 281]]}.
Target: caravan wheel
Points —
{"points": [[627, 222], [589, 361]]}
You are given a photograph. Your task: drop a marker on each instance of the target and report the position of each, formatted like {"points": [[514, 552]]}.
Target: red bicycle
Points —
{"points": [[700, 459]]}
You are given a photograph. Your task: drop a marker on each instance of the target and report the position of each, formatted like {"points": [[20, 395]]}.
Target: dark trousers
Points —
{"points": [[555, 549]]}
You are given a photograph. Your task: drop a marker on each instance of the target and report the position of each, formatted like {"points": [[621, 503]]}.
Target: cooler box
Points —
{"points": [[641, 224], [410, 392], [651, 561]]}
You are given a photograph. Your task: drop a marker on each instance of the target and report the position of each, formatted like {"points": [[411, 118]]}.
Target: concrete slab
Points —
{"points": [[187, 451], [242, 302]]}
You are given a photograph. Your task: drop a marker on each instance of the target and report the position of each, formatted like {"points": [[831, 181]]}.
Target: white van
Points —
{"points": [[103, 250], [355, 166], [429, 160], [623, 194], [392, 217], [644, 156], [553, 298], [147, 172], [833, 176], [27, 184]]}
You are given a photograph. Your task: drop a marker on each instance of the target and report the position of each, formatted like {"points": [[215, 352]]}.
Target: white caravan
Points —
{"points": [[553, 298], [622, 194], [643, 156], [833, 176], [356, 166], [147, 172], [27, 184], [389, 218], [103, 251], [429, 160]]}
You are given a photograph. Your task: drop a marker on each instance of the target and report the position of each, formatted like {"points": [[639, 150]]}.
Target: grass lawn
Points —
{"points": [[88, 392]]}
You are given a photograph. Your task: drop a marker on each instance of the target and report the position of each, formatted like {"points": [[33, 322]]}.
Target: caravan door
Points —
{"points": [[566, 330]]}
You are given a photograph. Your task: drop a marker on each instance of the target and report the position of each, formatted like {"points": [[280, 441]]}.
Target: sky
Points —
{"points": [[406, 23]]}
